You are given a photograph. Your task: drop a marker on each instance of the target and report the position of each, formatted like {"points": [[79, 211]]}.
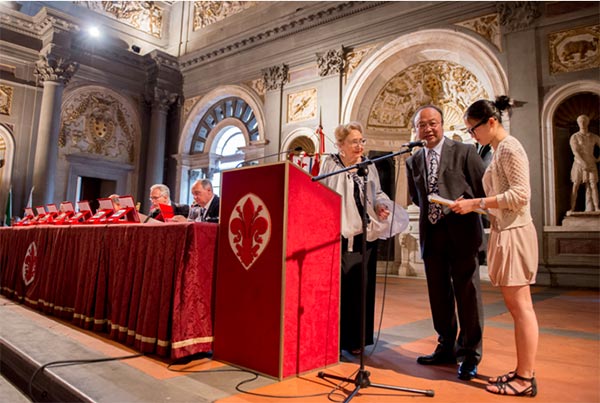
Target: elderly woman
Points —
{"points": [[351, 143]]}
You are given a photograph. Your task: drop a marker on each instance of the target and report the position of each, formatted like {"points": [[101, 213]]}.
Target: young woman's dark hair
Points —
{"points": [[484, 109]]}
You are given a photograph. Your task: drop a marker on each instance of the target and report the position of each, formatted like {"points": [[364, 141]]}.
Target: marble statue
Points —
{"points": [[584, 170]]}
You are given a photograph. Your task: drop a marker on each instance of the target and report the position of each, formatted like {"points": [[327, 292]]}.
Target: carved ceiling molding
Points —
{"points": [[144, 16], [518, 15], [35, 26], [574, 49], [96, 122], [446, 84], [209, 12], [487, 26], [336, 11]]}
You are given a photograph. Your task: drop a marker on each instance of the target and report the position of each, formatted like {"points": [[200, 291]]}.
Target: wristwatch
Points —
{"points": [[482, 203]]}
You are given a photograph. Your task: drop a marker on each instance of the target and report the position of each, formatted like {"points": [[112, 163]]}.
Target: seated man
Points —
{"points": [[160, 194], [206, 206]]}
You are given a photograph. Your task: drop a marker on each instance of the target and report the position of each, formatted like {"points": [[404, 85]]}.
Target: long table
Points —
{"points": [[148, 286]]}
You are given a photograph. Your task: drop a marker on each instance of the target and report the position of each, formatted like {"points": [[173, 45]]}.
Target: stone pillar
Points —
{"points": [[54, 72], [161, 100], [275, 78]]}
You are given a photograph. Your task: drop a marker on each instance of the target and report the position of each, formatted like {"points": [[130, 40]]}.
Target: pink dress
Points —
{"points": [[512, 246]]}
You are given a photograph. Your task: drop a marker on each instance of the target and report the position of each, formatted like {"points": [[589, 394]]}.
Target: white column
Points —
{"points": [[55, 73], [155, 159]]}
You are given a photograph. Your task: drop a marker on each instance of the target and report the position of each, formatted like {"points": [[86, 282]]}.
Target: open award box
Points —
{"points": [[84, 213], [28, 218], [50, 213], [105, 209], [66, 212], [127, 214]]}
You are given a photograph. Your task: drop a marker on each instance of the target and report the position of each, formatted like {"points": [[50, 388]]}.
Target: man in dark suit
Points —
{"points": [[206, 206], [160, 194], [449, 242]]}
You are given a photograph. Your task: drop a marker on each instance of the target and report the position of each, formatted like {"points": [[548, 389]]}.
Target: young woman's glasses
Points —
{"points": [[472, 129]]}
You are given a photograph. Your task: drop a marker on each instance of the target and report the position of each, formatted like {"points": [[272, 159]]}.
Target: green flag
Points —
{"points": [[8, 214]]}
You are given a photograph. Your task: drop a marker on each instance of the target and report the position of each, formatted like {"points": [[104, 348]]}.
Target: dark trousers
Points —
{"points": [[454, 288], [350, 305]]}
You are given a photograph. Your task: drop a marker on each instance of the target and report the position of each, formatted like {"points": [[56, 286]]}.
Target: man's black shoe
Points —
{"points": [[467, 370], [437, 358]]}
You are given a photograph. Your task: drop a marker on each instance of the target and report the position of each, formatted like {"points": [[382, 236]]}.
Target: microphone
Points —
{"points": [[297, 149], [412, 144]]}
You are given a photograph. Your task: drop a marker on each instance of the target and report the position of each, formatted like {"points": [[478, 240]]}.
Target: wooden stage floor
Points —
{"points": [[567, 365]]}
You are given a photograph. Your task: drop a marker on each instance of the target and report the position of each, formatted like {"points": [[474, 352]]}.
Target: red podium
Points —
{"points": [[278, 277]]}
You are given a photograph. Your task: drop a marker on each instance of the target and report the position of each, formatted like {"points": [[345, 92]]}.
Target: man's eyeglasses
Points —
{"points": [[471, 130], [155, 197], [356, 143], [423, 125]]}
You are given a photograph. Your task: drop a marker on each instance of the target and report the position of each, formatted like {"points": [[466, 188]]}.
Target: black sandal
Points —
{"points": [[503, 387], [503, 378]]}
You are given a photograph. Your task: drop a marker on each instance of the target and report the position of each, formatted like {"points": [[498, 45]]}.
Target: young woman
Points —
{"points": [[512, 247]]}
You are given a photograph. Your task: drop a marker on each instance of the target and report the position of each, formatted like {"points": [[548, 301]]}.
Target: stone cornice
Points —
{"points": [[327, 15], [37, 25]]}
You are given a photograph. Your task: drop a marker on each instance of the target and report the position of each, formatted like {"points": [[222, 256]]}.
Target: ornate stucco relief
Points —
{"points": [[209, 12], [258, 85], [275, 77], [518, 15], [145, 16], [302, 105], [354, 58], [6, 96], [574, 49], [189, 104], [445, 84], [487, 26], [97, 123]]}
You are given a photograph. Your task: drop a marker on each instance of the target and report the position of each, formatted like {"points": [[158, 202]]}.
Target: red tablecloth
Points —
{"points": [[148, 286]]}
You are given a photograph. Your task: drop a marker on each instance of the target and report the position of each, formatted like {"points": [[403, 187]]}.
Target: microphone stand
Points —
{"points": [[362, 380]]}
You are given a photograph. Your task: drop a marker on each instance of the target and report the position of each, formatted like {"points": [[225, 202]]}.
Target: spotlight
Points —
{"points": [[136, 48], [94, 32]]}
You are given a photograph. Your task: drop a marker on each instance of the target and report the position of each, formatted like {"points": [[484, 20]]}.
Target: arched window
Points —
{"points": [[228, 142], [225, 140]]}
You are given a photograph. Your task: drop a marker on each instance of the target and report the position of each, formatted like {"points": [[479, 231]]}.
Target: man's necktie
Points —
{"points": [[435, 210], [202, 212]]}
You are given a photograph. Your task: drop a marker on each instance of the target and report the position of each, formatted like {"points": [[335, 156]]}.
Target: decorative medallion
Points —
{"points": [[6, 96], [302, 105], [249, 229], [574, 49], [96, 122], [30, 264]]}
